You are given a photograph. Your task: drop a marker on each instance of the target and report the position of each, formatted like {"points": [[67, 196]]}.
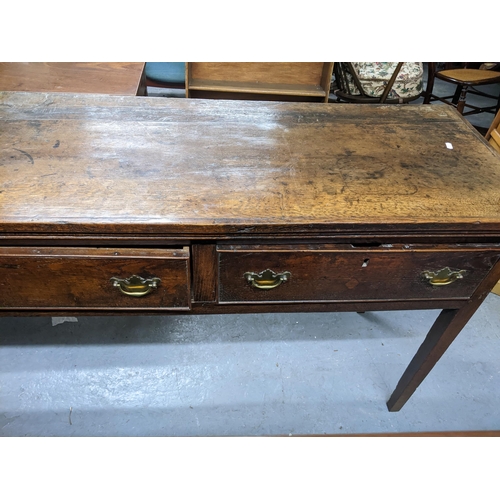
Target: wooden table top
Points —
{"points": [[96, 164], [119, 78]]}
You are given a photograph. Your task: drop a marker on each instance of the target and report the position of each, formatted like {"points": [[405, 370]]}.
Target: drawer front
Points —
{"points": [[338, 273], [86, 278]]}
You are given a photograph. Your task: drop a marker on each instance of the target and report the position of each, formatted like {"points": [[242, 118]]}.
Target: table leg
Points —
{"points": [[442, 333]]}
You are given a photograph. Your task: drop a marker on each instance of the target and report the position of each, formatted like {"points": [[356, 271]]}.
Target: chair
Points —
{"points": [[493, 134], [493, 137], [466, 80], [170, 75], [377, 82]]}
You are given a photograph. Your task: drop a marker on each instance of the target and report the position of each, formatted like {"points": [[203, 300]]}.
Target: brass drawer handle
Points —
{"points": [[135, 286], [267, 279], [443, 277]]}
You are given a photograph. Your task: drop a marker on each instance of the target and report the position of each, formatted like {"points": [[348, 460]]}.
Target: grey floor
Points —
{"points": [[243, 375]]}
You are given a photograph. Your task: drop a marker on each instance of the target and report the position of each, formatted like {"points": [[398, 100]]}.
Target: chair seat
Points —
{"points": [[166, 72], [469, 76], [374, 76]]}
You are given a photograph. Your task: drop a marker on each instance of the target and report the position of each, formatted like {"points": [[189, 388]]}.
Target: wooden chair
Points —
{"points": [[466, 80], [493, 137], [168, 75], [389, 83], [493, 134]]}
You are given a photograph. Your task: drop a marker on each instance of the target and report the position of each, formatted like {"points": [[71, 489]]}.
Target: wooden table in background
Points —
{"points": [[119, 205], [116, 78]]}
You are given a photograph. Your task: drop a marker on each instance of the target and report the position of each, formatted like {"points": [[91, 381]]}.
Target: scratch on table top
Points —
{"points": [[27, 154]]}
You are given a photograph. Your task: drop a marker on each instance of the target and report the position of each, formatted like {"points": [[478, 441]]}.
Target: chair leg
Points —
{"points": [[431, 69], [461, 100], [457, 94]]}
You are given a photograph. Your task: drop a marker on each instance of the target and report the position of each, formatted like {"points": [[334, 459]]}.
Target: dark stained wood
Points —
{"points": [[142, 89], [248, 308], [286, 95], [442, 333], [204, 263], [114, 78], [345, 273], [354, 201], [79, 278], [270, 168]]}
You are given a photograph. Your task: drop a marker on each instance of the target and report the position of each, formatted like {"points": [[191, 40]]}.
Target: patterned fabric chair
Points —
{"points": [[378, 82]]}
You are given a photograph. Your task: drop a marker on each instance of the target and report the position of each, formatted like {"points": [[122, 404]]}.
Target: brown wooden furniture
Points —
{"points": [[466, 80], [129, 206], [116, 78], [493, 137], [493, 134], [283, 81]]}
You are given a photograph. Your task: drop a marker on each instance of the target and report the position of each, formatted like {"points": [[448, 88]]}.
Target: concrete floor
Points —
{"points": [[243, 375]]}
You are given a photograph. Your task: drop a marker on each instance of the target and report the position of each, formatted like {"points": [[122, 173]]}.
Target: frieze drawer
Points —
{"points": [[319, 273], [94, 278]]}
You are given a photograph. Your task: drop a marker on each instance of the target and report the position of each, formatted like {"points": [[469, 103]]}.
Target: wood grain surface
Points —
{"points": [[295, 73], [329, 273], [80, 278], [297, 81], [115, 78], [95, 164]]}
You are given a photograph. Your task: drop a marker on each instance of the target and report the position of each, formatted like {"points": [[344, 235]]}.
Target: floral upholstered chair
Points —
{"points": [[378, 82]]}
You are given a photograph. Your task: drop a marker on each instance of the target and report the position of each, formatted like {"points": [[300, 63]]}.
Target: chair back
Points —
{"points": [[377, 82], [465, 80]]}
